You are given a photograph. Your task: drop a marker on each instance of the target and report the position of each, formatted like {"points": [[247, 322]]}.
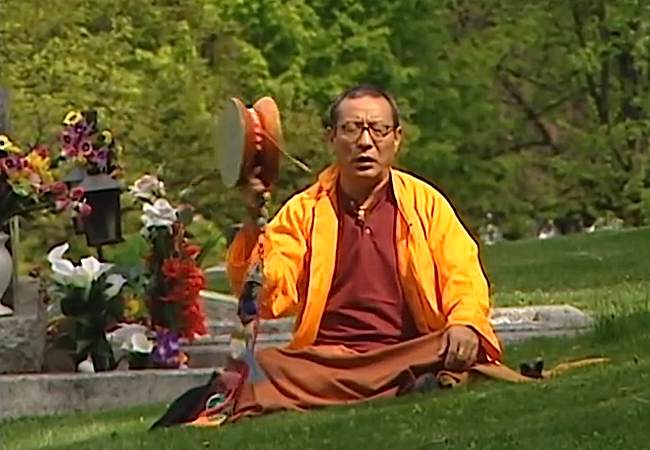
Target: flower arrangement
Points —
{"points": [[89, 294], [174, 275], [86, 147], [30, 183]]}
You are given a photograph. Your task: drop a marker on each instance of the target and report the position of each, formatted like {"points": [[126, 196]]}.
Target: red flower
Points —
{"points": [[192, 251], [194, 319], [42, 151], [172, 267], [185, 280]]}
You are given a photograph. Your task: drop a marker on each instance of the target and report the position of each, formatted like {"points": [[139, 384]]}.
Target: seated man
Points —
{"points": [[384, 280]]}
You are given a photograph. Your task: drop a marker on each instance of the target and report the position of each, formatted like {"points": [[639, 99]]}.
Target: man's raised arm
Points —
{"points": [[283, 256]]}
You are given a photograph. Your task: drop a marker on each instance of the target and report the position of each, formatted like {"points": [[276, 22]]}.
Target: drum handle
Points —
{"points": [[248, 311]]}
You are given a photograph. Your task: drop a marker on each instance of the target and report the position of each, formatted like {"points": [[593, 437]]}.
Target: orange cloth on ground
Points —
{"points": [[318, 376], [437, 260]]}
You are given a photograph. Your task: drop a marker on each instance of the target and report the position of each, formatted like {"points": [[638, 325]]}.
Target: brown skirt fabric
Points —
{"points": [[319, 376]]}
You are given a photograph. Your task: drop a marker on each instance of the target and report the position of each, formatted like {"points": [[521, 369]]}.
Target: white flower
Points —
{"points": [[61, 267], [139, 343], [86, 366], [115, 282], [131, 338], [148, 187], [65, 272], [160, 214]]}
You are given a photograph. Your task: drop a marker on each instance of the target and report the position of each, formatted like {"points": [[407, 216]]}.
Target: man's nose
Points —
{"points": [[365, 140]]}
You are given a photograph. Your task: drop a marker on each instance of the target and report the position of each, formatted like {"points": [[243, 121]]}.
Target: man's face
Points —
{"points": [[365, 138]]}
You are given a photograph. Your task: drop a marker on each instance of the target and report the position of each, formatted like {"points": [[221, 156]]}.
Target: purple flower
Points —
{"points": [[167, 349], [81, 127], [70, 142], [100, 157]]}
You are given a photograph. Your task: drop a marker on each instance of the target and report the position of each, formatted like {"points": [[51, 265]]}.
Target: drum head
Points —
{"points": [[231, 141]]}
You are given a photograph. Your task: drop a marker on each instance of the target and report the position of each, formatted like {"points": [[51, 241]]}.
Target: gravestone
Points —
{"points": [[22, 335]]}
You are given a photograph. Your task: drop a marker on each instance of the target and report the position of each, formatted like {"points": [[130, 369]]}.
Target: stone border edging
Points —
{"points": [[38, 395]]}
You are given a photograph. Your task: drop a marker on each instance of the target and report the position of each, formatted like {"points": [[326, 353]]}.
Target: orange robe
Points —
{"points": [[437, 260]]}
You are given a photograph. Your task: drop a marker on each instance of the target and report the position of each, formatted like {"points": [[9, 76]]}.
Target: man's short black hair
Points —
{"points": [[362, 90]]}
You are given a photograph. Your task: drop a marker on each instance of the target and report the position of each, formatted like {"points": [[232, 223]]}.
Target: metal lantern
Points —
{"points": [[104, 224]]}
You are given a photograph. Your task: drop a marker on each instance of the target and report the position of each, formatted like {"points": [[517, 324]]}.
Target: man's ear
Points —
{"points": [[329, 134], [398, 138]]}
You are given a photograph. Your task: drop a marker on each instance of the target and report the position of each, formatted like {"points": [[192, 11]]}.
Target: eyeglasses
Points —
{"points": [[354, 130]]}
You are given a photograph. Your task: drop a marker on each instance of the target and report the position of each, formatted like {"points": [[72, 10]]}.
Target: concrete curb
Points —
{"points": [[39, 395]]}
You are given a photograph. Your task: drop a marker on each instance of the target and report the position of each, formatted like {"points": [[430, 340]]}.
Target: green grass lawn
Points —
{"points": [[603, 407], [604, 273]]}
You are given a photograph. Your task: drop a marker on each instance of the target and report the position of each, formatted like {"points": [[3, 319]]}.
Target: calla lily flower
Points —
{"points": [[131, 338], [83, 275], [115, 282]]}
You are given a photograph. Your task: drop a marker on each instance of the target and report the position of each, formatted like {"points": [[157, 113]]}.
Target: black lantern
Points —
{"points": [[104, 224]]}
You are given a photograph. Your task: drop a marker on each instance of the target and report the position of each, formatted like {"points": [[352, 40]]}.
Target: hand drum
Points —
{"points": [[248, 137]]}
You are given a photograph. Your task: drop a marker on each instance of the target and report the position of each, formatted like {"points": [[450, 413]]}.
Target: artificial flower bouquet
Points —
{"points": [[36, 179], [29, 182], [89, 293], [174, 275], [86, 146]]}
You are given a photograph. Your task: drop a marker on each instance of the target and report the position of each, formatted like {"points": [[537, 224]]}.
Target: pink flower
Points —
{"points": [[70, 151], [86, 147], [59, 189], [85, 209], [77, 193], [61, 204], [67, 139], [11, 163]]}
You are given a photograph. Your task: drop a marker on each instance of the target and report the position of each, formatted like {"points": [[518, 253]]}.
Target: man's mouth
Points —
{"points": [[363, 160]]}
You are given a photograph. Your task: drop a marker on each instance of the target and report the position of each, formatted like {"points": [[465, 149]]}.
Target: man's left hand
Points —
{"points": [[460, 345]]}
